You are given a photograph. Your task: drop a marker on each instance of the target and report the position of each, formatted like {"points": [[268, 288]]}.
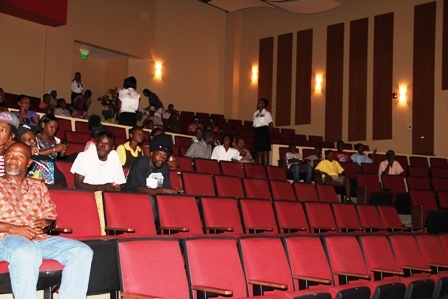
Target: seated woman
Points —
{"points": [[172, 162], [80, 111], [130, 151], [60, 110], [26, 116], [228, 151], [43, 167], [47, 143], [241, 144]]}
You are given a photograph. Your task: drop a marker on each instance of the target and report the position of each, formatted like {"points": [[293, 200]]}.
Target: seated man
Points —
{"points": [[332, 171], [390, 166], [8, 132], [203, 148], [295, 162], [360, 156], [26, 212], [317, 156], [340, 155], [99, 168]]}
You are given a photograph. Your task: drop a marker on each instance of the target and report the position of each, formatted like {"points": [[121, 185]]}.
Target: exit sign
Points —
{"points": [[84, 54]]}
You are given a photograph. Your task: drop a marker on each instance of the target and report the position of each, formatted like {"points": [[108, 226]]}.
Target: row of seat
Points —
{"points": [[343, 267]]}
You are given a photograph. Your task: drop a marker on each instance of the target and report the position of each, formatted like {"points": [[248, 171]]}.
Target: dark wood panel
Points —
{"points": [[284, 80], [445, 46], [265, 67], [334, 82], [383, 76], [357, 86], [423, 78], [304, 76]]}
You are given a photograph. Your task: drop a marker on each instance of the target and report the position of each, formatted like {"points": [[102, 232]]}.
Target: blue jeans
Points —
{"points": [[25, 257], [296, 172]]}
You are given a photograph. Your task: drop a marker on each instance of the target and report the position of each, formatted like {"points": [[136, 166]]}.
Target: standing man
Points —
{"points": [[263, 129], [26, 212]]}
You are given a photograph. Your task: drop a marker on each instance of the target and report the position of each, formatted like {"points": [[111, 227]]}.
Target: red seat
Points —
{"points": [[422, 203], [256, 188], [175, 179], [418, 161], [403, 160], [438, 162], [418, 171], [438, 172], [326, 193], [418, 183], [396, 185], [179, 214], [389, 218], [221, 215], [229, 186], [81, 126], [305, 192], [64, 125], [371, 168], [351, 169], [185, 164], [78, 137], [291, 217], [276, 173], [369, 218], [182, 140], [369, 190], [346, 218], [232, 169], [282, 190], [442, 196], [207, 166], [74, 148], [255, 171], [65, 167], [258, 216], [119, 132], [315, 138], [198, 184], [320, 217]]}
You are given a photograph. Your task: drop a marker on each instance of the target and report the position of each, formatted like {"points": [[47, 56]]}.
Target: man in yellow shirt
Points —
{"points": [[332, 171]]}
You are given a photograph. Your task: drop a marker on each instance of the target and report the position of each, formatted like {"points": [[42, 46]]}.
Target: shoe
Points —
{"points": [[348, 200]]}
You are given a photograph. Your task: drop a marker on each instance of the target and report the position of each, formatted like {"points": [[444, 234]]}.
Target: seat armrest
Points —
{"points": [[415, 268], [314, 279], [387, 271], [325, 228], [417, 216], [212, 290], [226, 229], [437, 265], [274, 285], [302, 229], [265, 229], [59, 230], [179, 229], [119, 230], [365, 276], [138, 296], [361, 195]]}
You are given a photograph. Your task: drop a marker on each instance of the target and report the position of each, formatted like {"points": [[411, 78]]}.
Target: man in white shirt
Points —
{"points": [[226, 152], [263, 128], [390, 166], [295, 162], [99, 167]]}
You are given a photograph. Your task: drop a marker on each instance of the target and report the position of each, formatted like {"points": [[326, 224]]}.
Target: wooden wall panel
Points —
{"points": [[445, 46], [334, 82], [304, 76], [382, 76], [423, 78], [284, 80], [357, 87], [265, 67]]}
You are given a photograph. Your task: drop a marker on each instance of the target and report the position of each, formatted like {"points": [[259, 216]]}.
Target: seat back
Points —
{"points": [[76, 136], [320, 217], [438, 162], [63, 126], [345, 255], [77, 210], [418, 161], [81, 126], [258, 216], [291, 217], [221, 212], [418, 171], [351, 169], [207, 166], [431, 249], [389, 218], [442, 196], [232, 168], [371, 168], [439, 184], [75, 148], [255, 171], [65, 167], [282, 190], [129, 210], [368, 182], [185, 164], [175, 179], [346, 218], [153, 274], [418, 183], [198, 184], [177, 211], [315, 138], [394, 183], [426, 199], [403, 160], [256, 188], [215, 262], [305, 192], [229, 186], [276, 173], [182, 140], [406, 251], [326, 193], [439, 172], [264, 259], [119, 132], [369, 218]]}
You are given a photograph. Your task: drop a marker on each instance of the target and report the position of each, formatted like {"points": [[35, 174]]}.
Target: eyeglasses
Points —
{"points": [[163, 148], [108, 134]]}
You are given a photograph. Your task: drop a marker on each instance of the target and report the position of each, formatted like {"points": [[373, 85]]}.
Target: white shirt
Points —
{"points": [[291, 155], [97, 172], [262, 118], [129, 100], [220, 154], [77, 87]]}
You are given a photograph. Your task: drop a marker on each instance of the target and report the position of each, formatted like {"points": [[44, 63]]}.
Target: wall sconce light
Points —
{"points": [[254, 74], [318, 86], [158, 73], [402, 98]]}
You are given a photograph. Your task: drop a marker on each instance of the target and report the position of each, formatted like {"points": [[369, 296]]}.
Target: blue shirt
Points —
{"points": [[357, 158]]}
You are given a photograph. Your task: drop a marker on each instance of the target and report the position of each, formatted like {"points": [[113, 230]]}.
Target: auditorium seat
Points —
{"points": [[75, 148], [315, 138], [371, 168], [320, 217], [275, 173], [422, 203], [185, 164], [198, 184], [128, 213], [232, 168], [403, 160], [438, 162], [63, 126], [258, 216], [418, 183], [396, 185], [369, 190], [305, 192], [418, 161], [369, 218], [256, 188], [327, 144], [326, 193], [207, 166], [175, 179], [442, 197], [299, 137], [439, 172], [377, 159], [182, 140], [351, 169], [282, 190], [178, 214], [228, 186], [81, 126], [119, 132], [77, 137], [221, 215], [418, 171], [255, 171], [290, 217], [390, 219], [346, 218]]}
